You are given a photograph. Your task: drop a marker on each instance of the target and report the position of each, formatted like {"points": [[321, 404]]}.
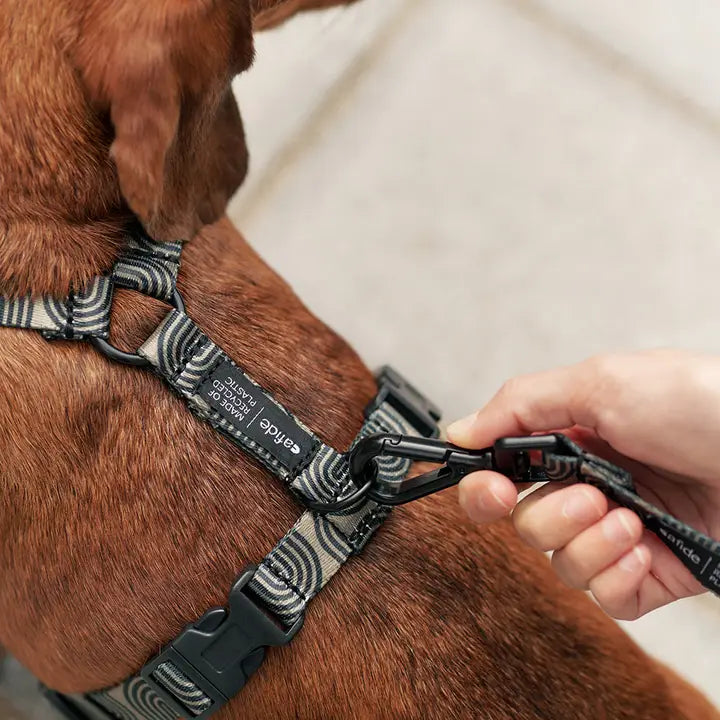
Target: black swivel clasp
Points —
{"points": [[510, 456]]}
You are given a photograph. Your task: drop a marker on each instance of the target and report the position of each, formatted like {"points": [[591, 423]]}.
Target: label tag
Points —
{"points": [[241, 402], [703, 564]]}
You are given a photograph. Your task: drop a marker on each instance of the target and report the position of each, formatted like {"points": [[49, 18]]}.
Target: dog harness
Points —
{"points": [[210, 661], [347, 496]]}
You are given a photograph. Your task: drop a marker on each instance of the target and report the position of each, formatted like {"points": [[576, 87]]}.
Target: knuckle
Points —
{"points": [[603, 387], [568, 570], [511, 389], [531, 532], [602, 365]]}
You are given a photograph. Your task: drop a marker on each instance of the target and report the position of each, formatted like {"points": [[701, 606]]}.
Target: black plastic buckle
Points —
{"points": [[512, 456], [221, 651], [395, 390]]}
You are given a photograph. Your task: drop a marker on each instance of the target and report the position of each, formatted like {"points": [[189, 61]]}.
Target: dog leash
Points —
{"points": [[210, 661], [561, 461]]}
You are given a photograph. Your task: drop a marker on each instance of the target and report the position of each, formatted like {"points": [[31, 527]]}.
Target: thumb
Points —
{"points": [[531, 403]]}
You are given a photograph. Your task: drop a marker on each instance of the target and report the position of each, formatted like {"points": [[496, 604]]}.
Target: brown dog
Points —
{"points": [[123, 518]]}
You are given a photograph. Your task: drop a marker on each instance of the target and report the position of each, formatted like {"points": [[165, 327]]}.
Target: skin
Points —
{"points": [[123, 518], [656, 414]]}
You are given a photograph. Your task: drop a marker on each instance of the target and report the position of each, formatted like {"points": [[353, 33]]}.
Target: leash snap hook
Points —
{"points": [[456, 462], [509, 456]]}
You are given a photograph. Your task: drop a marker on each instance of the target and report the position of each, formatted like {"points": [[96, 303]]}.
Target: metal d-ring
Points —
{"points": [[120, 356], [323, 508]]}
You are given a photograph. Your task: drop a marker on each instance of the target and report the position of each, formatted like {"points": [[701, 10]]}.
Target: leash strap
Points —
{"points": [[562, 460], [699, 553], [210, 661]]}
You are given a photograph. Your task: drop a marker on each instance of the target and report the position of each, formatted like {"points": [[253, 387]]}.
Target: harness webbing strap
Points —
{"points": [[147, 266], [289, 576], [222, 394], [81, 315], [327, 541], [219, 392]]}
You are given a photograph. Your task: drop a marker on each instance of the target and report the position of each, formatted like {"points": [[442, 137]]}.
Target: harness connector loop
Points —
{"points": [[126, 358]]}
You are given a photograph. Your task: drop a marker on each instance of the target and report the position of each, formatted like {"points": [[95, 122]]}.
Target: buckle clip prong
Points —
{"points": [[220, 652]]}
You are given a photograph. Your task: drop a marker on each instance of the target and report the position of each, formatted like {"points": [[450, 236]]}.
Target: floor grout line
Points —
{"points": [[290, 153], [619, 64]]}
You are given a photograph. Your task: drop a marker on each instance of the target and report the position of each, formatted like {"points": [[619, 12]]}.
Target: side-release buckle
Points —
{"points": [[395, 390], [217, 655]]}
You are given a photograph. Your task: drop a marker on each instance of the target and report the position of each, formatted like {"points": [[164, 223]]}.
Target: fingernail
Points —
{"points": [[617, 528], [633, 561], [469, 503], [496, 503], [461, 428], [581, 506]]}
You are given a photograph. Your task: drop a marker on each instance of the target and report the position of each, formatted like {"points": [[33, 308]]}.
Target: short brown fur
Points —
{"points": [[122, 517]]}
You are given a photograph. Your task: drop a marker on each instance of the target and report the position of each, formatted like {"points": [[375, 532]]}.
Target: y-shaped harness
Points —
{"points": [[348, 495], [211, 660]]}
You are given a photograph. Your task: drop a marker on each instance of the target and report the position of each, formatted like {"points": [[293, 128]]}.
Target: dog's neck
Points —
{"points": [[103, 118], [49, 256], [60, 222]]}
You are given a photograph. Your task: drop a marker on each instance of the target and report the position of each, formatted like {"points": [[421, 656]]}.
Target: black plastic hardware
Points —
{"points": [[395, 390], [510, 456], [420, 412], [74, 707], [221, 651], [117, 355]]}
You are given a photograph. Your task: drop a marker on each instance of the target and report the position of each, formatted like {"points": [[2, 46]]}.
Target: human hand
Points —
{"points": [[656, 414]]}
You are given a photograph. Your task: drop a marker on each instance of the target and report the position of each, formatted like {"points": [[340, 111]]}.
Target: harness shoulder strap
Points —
{"points": [[146, 266]]}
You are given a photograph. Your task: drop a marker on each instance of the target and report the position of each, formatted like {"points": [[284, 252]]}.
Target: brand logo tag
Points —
{"points": [[250, 410]]}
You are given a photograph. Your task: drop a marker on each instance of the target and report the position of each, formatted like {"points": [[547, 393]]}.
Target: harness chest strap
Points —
{"points": [[212, 659]]}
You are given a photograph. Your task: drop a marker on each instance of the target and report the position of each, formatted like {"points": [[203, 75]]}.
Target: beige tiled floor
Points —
{"points": [[475, 189]]}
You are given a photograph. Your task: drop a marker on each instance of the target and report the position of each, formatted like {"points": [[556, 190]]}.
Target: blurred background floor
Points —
{"points": [[470, 190]]}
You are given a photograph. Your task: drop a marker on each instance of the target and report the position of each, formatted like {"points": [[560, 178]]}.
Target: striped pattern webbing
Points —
{"points": [[312, 551], [147, 266]]}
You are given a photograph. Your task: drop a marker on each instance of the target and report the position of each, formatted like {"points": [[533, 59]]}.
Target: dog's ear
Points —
{"points": [[269, 13], [160, 70]]}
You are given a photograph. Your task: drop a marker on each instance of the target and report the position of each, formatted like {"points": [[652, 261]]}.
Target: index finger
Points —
{"points": [[526, 404]]}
